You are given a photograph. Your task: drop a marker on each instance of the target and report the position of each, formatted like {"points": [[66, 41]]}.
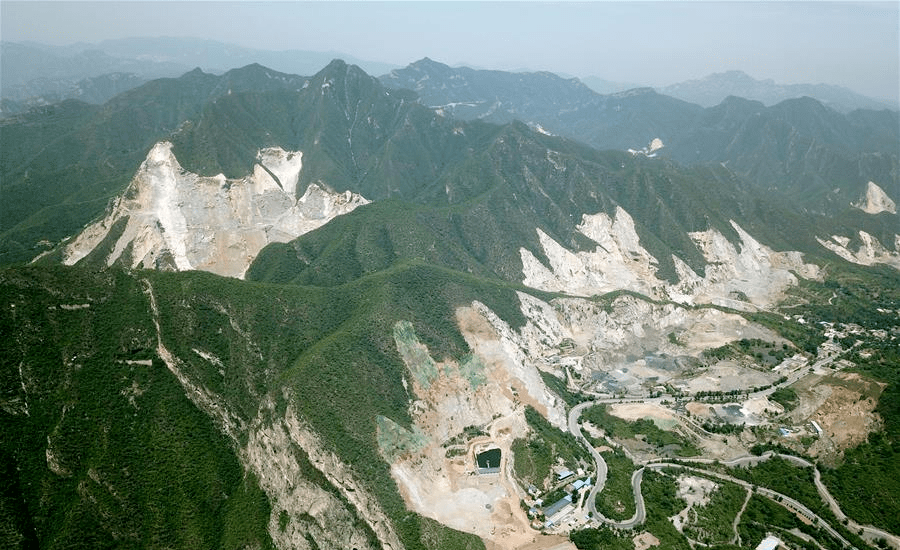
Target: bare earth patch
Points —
{"points": [[725, 376], [701, 410], [645, 540], [695, 491], [438, 476], [847, 414], [661, 416]]}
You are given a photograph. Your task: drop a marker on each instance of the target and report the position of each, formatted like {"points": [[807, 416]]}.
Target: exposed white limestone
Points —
{"points": [[435, 470], [876, 201], [618, 261], [284, 165], [870, 251], [519, 348], [175, 219], [753, 275], [270, 454], [488, 390], [649, 151], [744, 276]]}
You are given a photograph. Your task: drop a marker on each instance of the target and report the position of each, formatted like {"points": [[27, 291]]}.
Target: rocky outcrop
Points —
{"points": [[746, 276], [876, 201], [869, 252], [282, 454], [433, 461], [618, 262], [742, 277], [169, 218]]}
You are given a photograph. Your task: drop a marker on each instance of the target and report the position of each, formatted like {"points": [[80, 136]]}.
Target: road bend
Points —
{"points": [[640, 514]]}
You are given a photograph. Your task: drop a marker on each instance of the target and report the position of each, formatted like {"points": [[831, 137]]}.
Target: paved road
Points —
{"points": [[776, 497], [869, 533], [640, 514], [575, 429]]}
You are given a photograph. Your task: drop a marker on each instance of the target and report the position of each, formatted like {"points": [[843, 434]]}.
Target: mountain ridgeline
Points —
{"points": [[357, 135], [419, 242], [820, 157]]}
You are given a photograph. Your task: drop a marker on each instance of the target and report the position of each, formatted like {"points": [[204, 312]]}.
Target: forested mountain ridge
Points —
{"points": [[486, 280], [822, 158]]}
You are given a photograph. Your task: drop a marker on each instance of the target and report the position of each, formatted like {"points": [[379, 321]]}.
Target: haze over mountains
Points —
{"points": [[437, 262], [34, 73], [713, 89]]}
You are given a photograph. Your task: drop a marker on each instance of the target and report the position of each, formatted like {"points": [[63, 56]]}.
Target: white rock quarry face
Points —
{"points": [[210, 223], [491, 395], [876, 201], [755, 273], [870, 252], [618, 262], [443, 485], [746, 277]]}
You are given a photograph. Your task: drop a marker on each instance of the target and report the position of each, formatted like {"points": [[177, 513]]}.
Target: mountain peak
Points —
{"points": [[336, 64], [428, 62], [340, 69], [644, 91], [713, 88]]}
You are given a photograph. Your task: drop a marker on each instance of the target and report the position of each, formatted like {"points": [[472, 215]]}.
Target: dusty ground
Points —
{"points": [[451, 492], [696, 492], [843, 404], [449, 489], [700, 410], [847, 414], [725, 376], [539, 541], [645, 540], [661, 416], [712, 446]]}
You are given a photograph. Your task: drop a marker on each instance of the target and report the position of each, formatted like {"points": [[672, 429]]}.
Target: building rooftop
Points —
{"points": [[769, 543], [557, 506]]}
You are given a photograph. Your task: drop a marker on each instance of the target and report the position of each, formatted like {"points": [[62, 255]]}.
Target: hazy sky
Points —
{"points": [[852, 44]]}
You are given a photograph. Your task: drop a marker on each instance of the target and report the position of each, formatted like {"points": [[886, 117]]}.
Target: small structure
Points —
{"points": [[769, 543], [816, 427], [557, 511], [565, 474], [581, 484], [488, 462]]}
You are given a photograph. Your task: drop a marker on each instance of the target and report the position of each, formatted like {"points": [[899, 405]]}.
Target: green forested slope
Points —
{"points": [[106, 447]]}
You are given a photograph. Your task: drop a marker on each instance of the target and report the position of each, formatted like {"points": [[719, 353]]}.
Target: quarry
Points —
{"points": [[640, 360]]}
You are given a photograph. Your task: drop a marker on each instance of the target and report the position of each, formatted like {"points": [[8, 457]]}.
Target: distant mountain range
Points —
{"points": [[37, 74], [435, 262], [769, 146], [713, 89]]}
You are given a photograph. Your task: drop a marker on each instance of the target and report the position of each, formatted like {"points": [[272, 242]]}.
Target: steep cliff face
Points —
{"points": [[864, 248], [434, 462], [169, 218], [748, 276], [876, 201], [310, 489], [869, 251]]}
